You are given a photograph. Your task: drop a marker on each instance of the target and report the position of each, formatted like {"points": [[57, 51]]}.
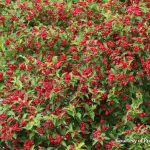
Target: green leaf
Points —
{"points": [[92, 115], [78, 116]]}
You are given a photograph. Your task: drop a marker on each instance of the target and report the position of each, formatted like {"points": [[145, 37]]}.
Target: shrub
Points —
{"points": [[74, 74]]}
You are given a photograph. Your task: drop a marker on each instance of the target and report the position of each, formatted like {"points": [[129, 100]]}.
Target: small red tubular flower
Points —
{"points": [[58, 64], [67, 78], [68, 135], [87, 71], [2, 19], [23, 123], [48, 86], [2, 116], [14, 18], [56, 140], [22, 66], [98, 146], [28, 17], [134, 10], [7, 42], [129, 117], [143, 114], [9, 72], [1, 76], [40, 130], [47, 107], [10, 119], [111, 77], [96, 133], [82, 126], [124, 64], [7, 1], [127, 107], [28, 144]]}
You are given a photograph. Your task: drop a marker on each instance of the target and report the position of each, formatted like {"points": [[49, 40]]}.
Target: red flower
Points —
{"points": [[7, 42], [134, 10], [111, 77], [129, 117], [28, 17], [127, 107], [2, 18], [28, 144], [67, 77], [40, 130], [1, 76], [22, 66], [56, 140], [58, 64], [3, 115], [82, 126], [48, 86], [143, 114], [87, 71], [7, 1]]}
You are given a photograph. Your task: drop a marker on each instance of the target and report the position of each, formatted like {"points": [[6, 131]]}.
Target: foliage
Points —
{"points": [[74, 74]]}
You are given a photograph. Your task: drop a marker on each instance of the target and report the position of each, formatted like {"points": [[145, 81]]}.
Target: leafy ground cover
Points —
{"points": [[74, 75]]}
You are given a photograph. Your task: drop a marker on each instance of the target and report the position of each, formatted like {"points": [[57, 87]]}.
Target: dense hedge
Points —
{"points": [[74, 75]]}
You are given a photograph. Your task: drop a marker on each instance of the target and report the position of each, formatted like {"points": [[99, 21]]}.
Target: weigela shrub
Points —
{"points": [[74, 74]]}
